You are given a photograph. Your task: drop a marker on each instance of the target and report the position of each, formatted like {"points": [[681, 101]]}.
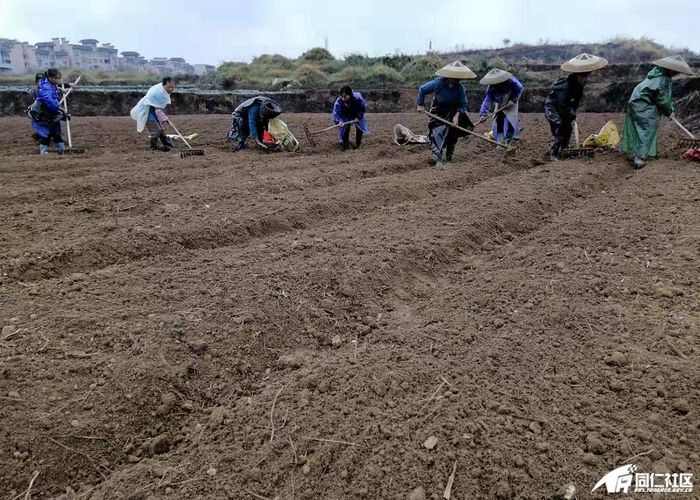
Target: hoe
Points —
{"points": [[310, 135], [190, 151], [579, 152], [692, 142]]}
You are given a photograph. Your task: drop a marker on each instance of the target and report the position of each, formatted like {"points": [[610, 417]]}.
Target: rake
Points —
{"points": [[188, 152], [466, 130], [579, 152], [693, 142], [310, 135], [64, 100]]}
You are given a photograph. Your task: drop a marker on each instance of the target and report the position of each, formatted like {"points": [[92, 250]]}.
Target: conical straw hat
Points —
{"points": [[584, 63], [674, 63], [456, 70], [496, 76]]}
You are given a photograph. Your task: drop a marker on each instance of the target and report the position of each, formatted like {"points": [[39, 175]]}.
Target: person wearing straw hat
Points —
{"points": [[564, 97], [449, 103], [503, 92], [651, 97]]}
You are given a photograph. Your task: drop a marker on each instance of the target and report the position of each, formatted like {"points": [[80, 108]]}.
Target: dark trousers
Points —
{"points": [[56, 137], [346, 137], [561, 135]]}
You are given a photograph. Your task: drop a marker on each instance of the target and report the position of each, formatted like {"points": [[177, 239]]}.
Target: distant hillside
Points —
{"points": [[618, 51]]}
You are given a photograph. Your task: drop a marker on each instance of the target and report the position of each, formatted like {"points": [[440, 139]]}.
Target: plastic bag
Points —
{"points": [[608, 137], [279, 130], [403, 136]]}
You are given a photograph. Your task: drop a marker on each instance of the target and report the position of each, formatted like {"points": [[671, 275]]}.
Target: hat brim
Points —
{"points": [[584, 68], [495, 80], [462, 74], [678, 67]]}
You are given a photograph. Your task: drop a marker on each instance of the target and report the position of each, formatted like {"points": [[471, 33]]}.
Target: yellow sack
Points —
{"points": [[608, 137], [279, 130]]}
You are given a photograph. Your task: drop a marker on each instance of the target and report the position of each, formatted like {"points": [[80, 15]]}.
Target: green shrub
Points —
{"points": [[422, 68], [273, 60], [381, 75], [317, 55], [310, 77]]}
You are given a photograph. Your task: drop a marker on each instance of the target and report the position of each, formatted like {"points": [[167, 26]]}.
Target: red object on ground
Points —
{"points": [[267, 137], [693, 154]]}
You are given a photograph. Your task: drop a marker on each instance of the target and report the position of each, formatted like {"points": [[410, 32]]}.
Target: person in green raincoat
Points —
{"points": [[651, 96]]}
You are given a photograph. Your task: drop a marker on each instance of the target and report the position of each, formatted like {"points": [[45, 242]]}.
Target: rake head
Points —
{"points": [[577, 153], [689, 143], [309, 135], [191, 152], [73, 151]]}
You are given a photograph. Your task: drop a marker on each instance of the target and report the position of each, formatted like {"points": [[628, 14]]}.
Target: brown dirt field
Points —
{"points": [[540, 320]]}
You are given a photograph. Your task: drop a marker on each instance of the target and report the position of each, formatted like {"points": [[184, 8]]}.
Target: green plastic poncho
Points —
{"points": [[642, 121]]}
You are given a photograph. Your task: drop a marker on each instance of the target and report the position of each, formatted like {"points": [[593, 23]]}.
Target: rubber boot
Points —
{"points": [[358, 138], [450, 152], [154, 144], [639, 162], [436, 160], [43, 149], [60, 147], [167, 143]]}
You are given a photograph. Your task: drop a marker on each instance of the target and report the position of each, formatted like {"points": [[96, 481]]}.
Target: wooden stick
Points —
{"points": [[683, 128], [258, 496], [65, 107], [272, 414], [467, 131], [674, 348], [79, 453], [29, 490], [450, 482], [330, 441], [70, 89], [337, 125], [578, 142]]}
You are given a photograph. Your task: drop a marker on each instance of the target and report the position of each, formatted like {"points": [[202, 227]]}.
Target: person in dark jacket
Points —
{"points": [[350, 106], [250, 119], [449, 103], [46, 112], [564, 97]]}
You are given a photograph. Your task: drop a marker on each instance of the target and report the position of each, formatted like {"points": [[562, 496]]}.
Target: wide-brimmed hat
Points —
{"points": [[456, 70], [496, 76], [674, 63], [584, 63]]}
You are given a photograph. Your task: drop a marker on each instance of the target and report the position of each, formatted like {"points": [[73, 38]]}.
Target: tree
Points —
{"points": [[506, 41]]}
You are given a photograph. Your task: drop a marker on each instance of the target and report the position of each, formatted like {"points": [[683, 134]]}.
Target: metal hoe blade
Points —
{"points": [[73, 151], [689, 143], [577, 153], [309, 136], [191, 152]]}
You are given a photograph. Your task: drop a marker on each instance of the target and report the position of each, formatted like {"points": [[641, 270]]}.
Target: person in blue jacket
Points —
{"points": [[449, 103], [46, 112], [350, 106], [503, 92], [251, 119]]}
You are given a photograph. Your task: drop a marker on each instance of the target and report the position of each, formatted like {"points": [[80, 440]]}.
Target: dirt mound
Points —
{"points": [[342, 325]]}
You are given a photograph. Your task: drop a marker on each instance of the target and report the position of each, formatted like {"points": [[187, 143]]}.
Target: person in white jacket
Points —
{"points": [[150, 113]]}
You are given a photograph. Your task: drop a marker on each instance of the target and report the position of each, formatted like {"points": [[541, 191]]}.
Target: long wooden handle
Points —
{"points": [[178, 133], [65, 107], [578, 142], [490, 115], [447, 122], [690, 134], [337, 125], [65, 95]]}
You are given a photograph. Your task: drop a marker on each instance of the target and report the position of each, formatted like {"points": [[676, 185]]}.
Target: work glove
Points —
{"points": [[508, 105]]}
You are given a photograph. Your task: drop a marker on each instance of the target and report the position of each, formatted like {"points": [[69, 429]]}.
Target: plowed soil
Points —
{"points": [[296, 326]]}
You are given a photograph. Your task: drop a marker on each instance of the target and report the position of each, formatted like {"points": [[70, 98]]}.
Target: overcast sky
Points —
{"points": [[212, 31]]}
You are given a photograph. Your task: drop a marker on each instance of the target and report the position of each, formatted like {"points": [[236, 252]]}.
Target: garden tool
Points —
{"points": [[491, 115], [693, 142], [64, 100], [465, 130], [578, 152], [309, 134], [188, 152]]}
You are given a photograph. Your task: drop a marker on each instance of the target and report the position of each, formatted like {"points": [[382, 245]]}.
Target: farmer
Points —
{"points": [[348, 107], [564, 97], [502, 94], [449, 103], [46, 112], [651, 96], [251, 119], [149, 113]]}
